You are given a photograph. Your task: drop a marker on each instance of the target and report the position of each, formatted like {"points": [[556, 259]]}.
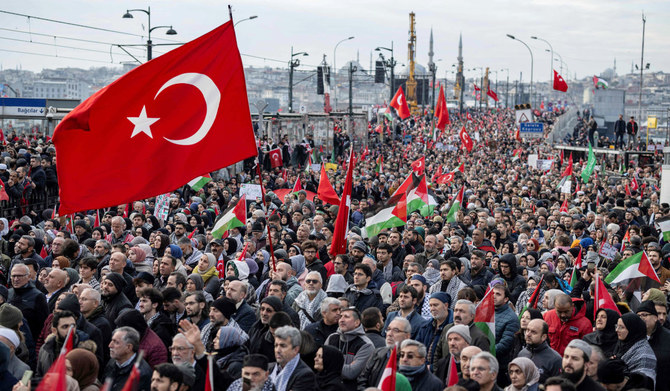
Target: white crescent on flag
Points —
{"points": [[399, 100]]}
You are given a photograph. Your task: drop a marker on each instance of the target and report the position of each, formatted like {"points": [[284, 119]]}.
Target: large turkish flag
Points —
{"points": [[178, 116]]}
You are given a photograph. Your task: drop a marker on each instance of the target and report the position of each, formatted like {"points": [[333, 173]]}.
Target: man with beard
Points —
{"points": [[341, 266], [119, 234], [113, 299], [398, 251], [312, 263], [615, 376], [24, 248], [391, 272], [464, 313], [244, 315], [449, 281], [419, 283], [430, 251], [359, 294], [196, 309], [458, 338], [166, 377], [220, 314], [479, 273], [151, 306], [457, 249], [258, 343], [308, 302], [255, 374], [506, 324], [575, 357], [659, 340], [429, 334], [546, 359], [60, 326], [407, 298], [102, 252]]}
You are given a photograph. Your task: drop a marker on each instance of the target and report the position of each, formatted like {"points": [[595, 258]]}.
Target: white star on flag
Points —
{"points": [[142, 123]]}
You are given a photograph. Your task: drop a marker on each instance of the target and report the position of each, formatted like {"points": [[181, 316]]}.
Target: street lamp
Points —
{"points": [[391, 64], [531, 64], [335, 68], [292, 64], [242, 20], [551, 64], [147, 11], [506, 86]]}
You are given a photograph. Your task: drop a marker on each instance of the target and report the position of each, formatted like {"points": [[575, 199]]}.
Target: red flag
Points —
{"points": [[43, 252], [325, 192], [133, 379], [243, 253], [568, 169], [275, 158], [339, 245], [603, 298], [469, 117], [628, 193], [461, 168], [491, 93], [209, 377], [55, 378], [192, 234], [400, 104], [441, 111], [221, 267], [564, 207], [419, 165], [559, 83], [452, 373], [387, 381], [466, 140], [633, 184], [3, 192], [297, 186], [199, 124], [476, 88], [446, 178], [97, 219]]}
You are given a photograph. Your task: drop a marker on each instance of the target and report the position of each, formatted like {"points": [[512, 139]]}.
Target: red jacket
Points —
{"points": [[561, 333]]}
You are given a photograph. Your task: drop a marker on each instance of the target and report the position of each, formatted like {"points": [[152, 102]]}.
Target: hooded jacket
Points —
{"points": [[576, 327], [364, 298], [515, 283], [605, 339], [660, 344], [356, 348]]}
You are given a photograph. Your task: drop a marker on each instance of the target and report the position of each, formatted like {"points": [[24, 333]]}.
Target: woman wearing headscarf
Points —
{"points": [[328, 364], [523, 374], [83, 367], [194, 283], [138, 257], [605, 335], [206, 268], [632, 346], [229, 247], [531, 284], [230, 351]]}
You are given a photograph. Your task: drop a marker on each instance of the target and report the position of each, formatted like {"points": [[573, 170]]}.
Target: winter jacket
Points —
{"points": [[245, 316], [424, 257], [320, 331], [640, 358], [155, 352], [373, 369], [429, 334], [452, 287], [415, 320], [364, 298], [33, 305], [516, 285], [482, 278], [98, 319], [51, 349], [507, 324], [425, 381], [356, 348], [294, 290], [113, 305], [546, 359], [560, 334], [317, 266], [660, 344], [119, 375], [164, 329]]}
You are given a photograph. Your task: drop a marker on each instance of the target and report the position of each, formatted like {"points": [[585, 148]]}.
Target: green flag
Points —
{"points": [[590, 165]]}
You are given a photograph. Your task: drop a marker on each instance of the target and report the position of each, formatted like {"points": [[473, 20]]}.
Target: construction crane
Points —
{"points": [[411, 81]]}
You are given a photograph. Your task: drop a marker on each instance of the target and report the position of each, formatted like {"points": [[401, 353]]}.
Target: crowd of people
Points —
{"points": [[276, 309]]}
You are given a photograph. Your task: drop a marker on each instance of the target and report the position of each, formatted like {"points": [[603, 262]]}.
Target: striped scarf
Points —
{"points": [[281, 376]]}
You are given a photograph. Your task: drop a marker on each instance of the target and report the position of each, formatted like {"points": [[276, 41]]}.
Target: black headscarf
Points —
{"points": [[637, 331], [330, 379], [605, 339]]}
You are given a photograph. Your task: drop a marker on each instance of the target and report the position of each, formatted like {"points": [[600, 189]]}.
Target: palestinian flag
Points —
{"points": [[625, 240], [379, 169], [516, 154], [564, 207], [485, 315], [600, 83], [574, 277], [236, 217], [635, 266], [460, 168], [200, 182], [455, 206], [418, 197], [664, 226], [395, 216], [533, 299]]}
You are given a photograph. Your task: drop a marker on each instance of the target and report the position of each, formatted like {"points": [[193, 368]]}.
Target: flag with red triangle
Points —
{"points": [[564, 206], [603, 299], [491, 93], [387, 381], [485, 318], [325, 192], [133, 380], [452, 373], [209, 376], [395, 216], [236, 217], [3, 192], [400, 104], [574, 277], [456, 206], [243, 253], [559, 83]]}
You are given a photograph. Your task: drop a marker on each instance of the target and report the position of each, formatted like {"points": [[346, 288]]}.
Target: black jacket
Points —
{"points": [[113, 305], [660, 344], [426, 381], [33, 305], [320, 331], [620, 126], [97, 318], [120, 375], [164, 328], [245, 316], [374, 368], [302, 378]]}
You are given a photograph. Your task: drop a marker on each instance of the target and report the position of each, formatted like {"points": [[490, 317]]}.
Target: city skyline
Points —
{"points": [[587, 35]]}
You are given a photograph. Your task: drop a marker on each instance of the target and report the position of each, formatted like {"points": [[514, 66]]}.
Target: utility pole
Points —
{"points": [[639, 103], [352, 69], [291, 65]]}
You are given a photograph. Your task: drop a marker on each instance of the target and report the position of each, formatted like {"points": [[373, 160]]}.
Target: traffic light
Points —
{"points": [[319, 80], [522, 106], [379, 72]]}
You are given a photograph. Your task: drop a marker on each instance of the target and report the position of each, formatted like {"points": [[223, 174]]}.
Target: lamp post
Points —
{"points": [[242, 20], [335, 68], [292, 64], [481, 84], [147, 11], [506, 86], [531, 64], [551, 64], [391, 64]]}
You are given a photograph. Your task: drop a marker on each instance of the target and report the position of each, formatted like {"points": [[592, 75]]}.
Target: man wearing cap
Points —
{"points": [[220, 314], [358, 251], [659, 339], [14, 365], [418, 282], [356, 347], [464, 313], [615, 376], [429, 334], [113, 299], [216, 248], [577, 354], [458, 338], [255, 375], [430, 251]]}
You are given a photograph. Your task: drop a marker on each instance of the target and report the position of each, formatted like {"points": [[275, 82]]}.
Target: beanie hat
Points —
{"points": [[581, 345], [360, 245], [70, 303], [274, 302], [444, 297], [647, 306], [256, 361], [225, 305], [11, 336], [421, 278], [116, 279], [612, 371], [461, 330], [10, 316]]}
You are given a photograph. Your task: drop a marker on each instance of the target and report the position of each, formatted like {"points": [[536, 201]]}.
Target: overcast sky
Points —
{"points": [[588, 34]]}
